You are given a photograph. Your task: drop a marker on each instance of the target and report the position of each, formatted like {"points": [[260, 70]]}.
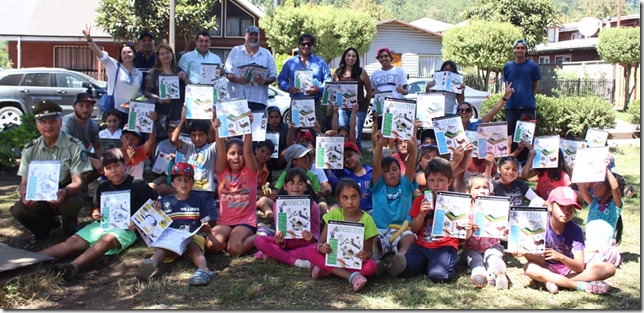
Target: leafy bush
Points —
{"points": [[568, 116], [13, 140], [634, 111]]}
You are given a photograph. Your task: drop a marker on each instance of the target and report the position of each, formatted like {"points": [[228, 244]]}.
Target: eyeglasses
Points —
{"points": [[464, 110], [306, 44]]}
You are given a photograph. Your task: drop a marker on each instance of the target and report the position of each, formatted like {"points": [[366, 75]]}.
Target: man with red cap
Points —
{"points": [[80, 125]]}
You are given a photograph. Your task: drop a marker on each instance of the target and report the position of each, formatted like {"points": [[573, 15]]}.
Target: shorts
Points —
{"points": [[385, 234], [198, 239], [93, 232], [558, 268], [252, 228]]}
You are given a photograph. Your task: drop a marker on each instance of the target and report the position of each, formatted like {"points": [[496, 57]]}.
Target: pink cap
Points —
{"points": [[564, 196]]}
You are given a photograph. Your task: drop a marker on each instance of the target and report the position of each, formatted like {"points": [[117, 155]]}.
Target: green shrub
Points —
{"points": [[634, 111], [13, 140], [567, 116]]}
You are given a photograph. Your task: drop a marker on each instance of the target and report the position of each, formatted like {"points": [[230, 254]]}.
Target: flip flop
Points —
{"points": [[357, 281], [200, 278]]}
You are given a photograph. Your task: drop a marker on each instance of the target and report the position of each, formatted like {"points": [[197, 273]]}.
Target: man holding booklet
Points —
{"points": [[250, 69], [191, 61], [67, 155]]}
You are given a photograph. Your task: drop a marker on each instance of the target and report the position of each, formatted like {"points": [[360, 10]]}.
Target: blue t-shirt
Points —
{"points": [[391, 205], [602, 219], [572, 239], [186, 214], [321, 74], [521, 75], [366, 203], [473, 125]]}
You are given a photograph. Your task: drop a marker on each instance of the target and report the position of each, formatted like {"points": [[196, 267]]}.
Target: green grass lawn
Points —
{"points": [[245, 283]]}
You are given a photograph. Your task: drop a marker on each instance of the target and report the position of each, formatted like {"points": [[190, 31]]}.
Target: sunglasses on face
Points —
{"points": [[464, 110], [306, 44]]}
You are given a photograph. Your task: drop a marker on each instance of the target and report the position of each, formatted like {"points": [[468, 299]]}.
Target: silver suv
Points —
{"points": [[20, 89]]}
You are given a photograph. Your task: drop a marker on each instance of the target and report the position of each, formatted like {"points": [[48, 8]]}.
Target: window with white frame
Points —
{"points": [[545, 59], [237, 20], [221, 53], [576, 35], [218, 17], [428, 64], [563, 58]]}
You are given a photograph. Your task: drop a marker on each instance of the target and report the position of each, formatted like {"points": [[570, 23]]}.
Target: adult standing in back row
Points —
{"points": [[524, 75], [191, 61], [306, 60]]}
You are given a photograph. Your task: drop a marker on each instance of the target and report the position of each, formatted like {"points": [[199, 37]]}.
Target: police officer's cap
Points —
{"points": [[46, 109]]}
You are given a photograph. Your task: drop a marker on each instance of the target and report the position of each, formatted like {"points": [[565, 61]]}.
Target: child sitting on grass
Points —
{"points": [[92, 241], [186, 209]]}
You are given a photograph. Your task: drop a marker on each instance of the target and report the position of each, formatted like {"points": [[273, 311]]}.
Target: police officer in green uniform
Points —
{"points": [[40, 217]]}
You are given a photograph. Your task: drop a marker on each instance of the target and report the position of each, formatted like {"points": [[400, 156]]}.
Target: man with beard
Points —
{"points": [[255, 91], [40, 217], [79, 125]]}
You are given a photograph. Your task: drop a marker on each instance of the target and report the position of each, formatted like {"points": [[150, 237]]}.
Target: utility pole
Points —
{"points": [[619, 11], [171, 32]]}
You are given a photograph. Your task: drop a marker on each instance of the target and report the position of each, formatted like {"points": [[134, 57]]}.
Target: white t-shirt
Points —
{"points": [[389, 80], [128, 84], [105, 134]]}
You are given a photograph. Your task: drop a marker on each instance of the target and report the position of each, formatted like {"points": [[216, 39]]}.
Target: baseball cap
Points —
{"points": [[564, 196], [520, 41], [304, 134], [351, 146], [182, 168], [84, 97], [293, 152], [133, 132], [46, 109], [146, 33], [252, 29]]}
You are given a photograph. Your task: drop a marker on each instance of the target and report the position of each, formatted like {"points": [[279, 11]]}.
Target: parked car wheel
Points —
{"points": [[368, 121], [9, 115], [286, 118]]}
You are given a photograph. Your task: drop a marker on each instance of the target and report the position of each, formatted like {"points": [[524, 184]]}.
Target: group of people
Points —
{"points": [[224, 186]]}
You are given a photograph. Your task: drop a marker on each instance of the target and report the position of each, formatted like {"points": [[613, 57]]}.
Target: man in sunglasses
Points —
{"points": [[306, 60], [524, 75]]}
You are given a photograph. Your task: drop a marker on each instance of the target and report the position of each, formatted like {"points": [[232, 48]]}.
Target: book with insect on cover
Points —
{"points": [[199, 102], [275, 138], [452, 208], [596, 137], [590, 165], [527, 229], [303, 112], [220, 90], [524, 130], [233, 115], [546, 152], [293, 215], [491, 216], [139, 117], [115, 209], [258, 128], [343, 94], [161, 163], [492, 138], [252, 71], [169, 87], [209, 73], [42, 180], [303, 79], [449, 133], [428, 106], [379, 100], [346, 240], [329, 152], [398, 118], [569, 148]]}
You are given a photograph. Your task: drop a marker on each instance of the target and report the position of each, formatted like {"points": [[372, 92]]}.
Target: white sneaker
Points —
{"points": [[302, 263]]}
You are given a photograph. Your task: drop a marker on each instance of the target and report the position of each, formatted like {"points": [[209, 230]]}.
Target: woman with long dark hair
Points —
{"points": [[452, 100]]}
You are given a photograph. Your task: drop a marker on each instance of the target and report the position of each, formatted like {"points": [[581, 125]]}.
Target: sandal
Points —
{"points": [[146, 268], [357, 281], [599, 287], [397, 265], [479, 280], [200, 278], [318, 273]]}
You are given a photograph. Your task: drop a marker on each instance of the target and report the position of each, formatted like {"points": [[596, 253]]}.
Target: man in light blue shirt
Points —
{"points": [[191, 61], [306, 60], [256, 92]]}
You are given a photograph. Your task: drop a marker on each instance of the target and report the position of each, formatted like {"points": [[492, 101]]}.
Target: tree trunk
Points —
{"points": [[480, 78], [487, 78], [632, 89], [627, 78]]}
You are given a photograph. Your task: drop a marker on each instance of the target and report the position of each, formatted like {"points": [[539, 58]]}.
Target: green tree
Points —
{"points": [[4, 55], [377, 11], [125, 19], [621, 46], [485, 45], [333, 32], [447, 11], [531, 16]]}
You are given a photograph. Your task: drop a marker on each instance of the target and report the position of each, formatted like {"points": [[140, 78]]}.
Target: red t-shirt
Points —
{"points": [[424, 235], [545, 185]]}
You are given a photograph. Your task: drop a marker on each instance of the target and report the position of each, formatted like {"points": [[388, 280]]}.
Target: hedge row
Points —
{"points": [[14, 139], [569, 117]]}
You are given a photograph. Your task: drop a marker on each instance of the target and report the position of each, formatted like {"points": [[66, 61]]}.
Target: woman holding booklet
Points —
{"points": [[165, 84], [452, 99]]}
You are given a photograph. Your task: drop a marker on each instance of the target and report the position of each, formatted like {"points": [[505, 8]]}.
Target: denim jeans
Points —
{"points": [[344, 118]]}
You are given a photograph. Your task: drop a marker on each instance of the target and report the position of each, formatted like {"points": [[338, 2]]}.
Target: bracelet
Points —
{"points": [[504, 99], [319, 245]]}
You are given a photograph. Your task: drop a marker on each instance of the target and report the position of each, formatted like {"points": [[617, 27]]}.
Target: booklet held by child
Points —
{"points": [[452, 209], [493, 138], [199, 102], [524, 130], [527, 229], [569, 148], [303, 112], [491, 216], [428, 106], [233, 115], [42, 180], [346, 240], [293, 215], [329, 152], [449, 133], [139, 117], [546, 152], [275, 138], [398, 118], [590, 165], [115, 209], [258, 128]]}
